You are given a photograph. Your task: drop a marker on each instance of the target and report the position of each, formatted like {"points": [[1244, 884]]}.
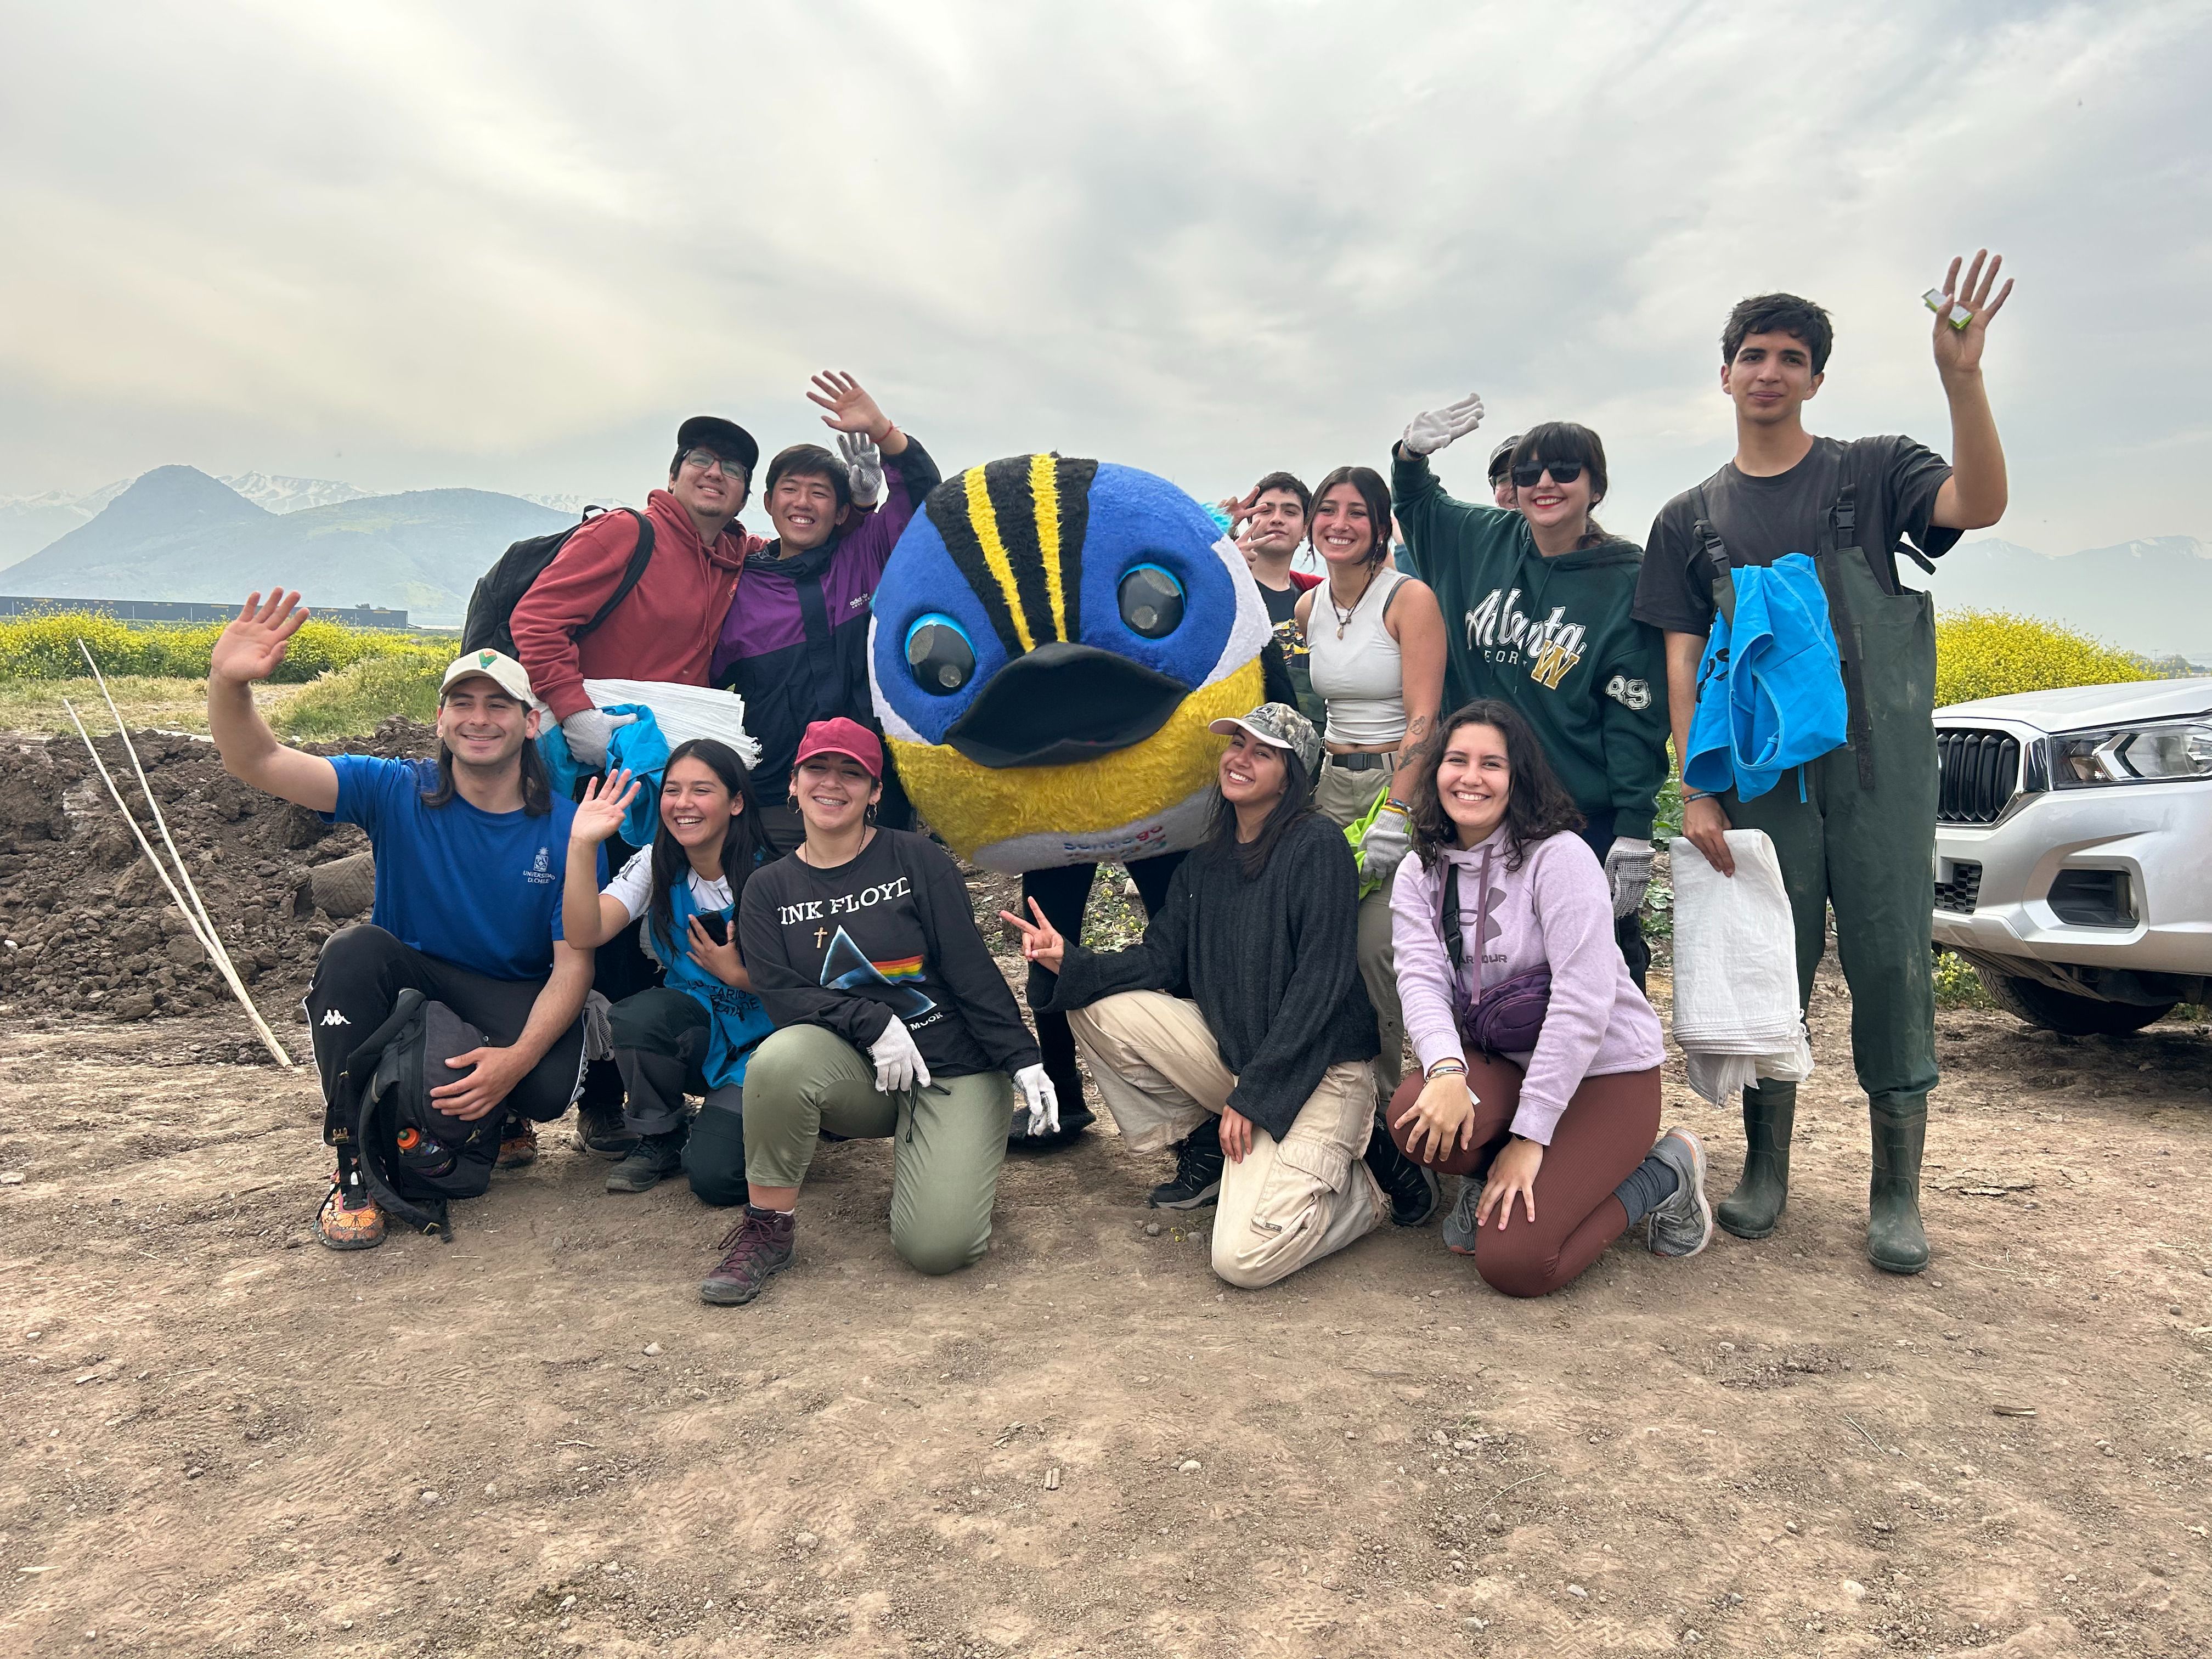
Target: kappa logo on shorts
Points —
{"points": [[332, 1017]]}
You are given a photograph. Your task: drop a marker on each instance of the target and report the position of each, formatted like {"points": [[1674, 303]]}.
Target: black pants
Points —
{"points": [[1628, 930], [620, 968], [660, 1038], [1063, 892], [362, 970]]}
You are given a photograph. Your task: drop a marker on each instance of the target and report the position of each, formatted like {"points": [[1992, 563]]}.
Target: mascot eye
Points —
{"points": [[939, 654], [1151, 601]]}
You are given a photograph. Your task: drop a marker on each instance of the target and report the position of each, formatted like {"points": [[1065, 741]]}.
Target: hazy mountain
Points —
{"points": [[285, 494], [28, 522], [2152, 595], [574, 506], [179, 534]]}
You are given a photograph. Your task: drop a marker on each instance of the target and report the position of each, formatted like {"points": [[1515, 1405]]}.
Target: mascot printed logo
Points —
{"points": [[1503, 633]]}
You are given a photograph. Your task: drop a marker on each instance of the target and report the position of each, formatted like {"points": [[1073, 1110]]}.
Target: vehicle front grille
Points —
{"points": [[1960, 892], [1980, 775]]}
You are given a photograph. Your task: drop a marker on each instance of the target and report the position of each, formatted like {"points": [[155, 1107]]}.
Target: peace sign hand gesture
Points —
{"points": [[251, 646], [605, 804], [1041, 943], [851, 409], [1958, 350]]}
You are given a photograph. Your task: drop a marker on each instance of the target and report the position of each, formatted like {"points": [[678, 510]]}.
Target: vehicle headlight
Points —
{"points": [[2154, 752]]}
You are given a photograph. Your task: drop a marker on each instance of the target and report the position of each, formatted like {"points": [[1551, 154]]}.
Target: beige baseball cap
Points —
{"points": [[501, 669]]}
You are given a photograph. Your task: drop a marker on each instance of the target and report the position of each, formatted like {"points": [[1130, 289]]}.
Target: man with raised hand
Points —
{"points": [[1269, 525], [1856, 830], [471, 850]]}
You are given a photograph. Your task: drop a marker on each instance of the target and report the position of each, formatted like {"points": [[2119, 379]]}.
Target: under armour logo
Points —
{"points": [[334, 1018]]}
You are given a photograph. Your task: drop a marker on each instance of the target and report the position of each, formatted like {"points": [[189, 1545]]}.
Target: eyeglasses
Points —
{"points": [[706, 461], [1528, 474]]}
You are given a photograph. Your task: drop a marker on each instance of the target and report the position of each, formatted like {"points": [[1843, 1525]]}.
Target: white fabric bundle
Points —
{"points": [[1736, 969], [684, 711]]}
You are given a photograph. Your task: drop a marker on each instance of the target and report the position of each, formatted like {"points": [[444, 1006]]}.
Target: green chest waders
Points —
{"points": [[1856, 831]]}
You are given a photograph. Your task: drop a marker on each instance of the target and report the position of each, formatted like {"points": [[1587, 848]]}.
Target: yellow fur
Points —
{"points": [[972, 805]]}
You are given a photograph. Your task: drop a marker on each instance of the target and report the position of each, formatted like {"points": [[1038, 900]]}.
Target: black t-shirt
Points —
{"points": [[1282, 605], [890, 933], [1761, 519]]}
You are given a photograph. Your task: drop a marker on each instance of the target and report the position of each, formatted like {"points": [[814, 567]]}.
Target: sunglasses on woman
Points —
{"points": [[1528, 474]]}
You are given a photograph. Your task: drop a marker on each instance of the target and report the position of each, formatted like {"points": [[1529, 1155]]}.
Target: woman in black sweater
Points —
{"points": [[1237, 1030]]}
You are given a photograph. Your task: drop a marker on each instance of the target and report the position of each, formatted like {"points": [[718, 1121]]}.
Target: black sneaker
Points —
{"points": [[600, 1130], [757, 1250], [1199, 1163], [1412, 1188], [652, 1160]]}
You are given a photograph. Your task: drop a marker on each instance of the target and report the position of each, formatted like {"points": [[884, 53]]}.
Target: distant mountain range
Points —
{"points": [[176, 533], [2152, 595]]}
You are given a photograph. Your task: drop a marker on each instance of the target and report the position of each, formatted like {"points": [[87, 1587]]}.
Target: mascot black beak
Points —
{"points": [[1064, 703]]}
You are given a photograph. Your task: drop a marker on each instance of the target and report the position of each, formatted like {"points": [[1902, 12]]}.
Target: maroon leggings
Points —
{"points": [[1605, 1132]]}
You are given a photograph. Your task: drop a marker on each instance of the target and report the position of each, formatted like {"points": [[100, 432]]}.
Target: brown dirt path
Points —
{"points": [[222, 1440]]}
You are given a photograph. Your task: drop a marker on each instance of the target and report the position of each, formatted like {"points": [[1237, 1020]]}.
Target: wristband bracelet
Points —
{"points": [[1446, 1068], [1689, 795]]}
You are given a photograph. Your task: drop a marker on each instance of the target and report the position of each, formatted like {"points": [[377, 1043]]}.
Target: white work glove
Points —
{"points": [[899, 1065], [1390, 838], [589, 730], [864, 465], [1628, 869], [1433, 429], [1043, 1099]]}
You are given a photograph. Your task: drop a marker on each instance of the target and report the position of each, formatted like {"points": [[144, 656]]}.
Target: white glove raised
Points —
{"points": [[587, 732], [864, 465], [1390, 838], [1433, 429], [1628, 869], [899, 1065], [1043, 1098]]}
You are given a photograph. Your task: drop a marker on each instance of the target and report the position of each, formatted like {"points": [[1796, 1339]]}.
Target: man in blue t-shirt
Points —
{"points": [[471, 850]]}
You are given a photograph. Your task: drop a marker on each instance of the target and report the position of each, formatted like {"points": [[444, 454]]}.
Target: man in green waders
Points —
{"points": [[1862, 838]]}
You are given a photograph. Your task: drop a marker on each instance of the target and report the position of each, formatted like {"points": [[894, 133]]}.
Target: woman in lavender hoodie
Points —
{"points": [[1553, 1136]]}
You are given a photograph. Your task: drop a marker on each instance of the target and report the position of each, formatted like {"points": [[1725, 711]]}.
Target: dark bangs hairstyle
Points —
{"points": [[1562, 440], [1251, 856], [741, 841], [536, 782], [1537, 805], [1288, 482], [1374, 492], [809, 461], [1780, 314]]}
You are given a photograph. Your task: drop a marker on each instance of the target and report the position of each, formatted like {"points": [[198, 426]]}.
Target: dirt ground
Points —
{"points": [[221, 1439]]}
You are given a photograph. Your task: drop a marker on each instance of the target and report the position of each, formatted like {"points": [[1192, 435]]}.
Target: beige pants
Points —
{"points": [[1287, 1203], [1344, 797]]}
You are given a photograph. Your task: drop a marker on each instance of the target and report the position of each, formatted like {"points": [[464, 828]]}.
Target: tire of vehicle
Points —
{"points": [[2059, 1010]]}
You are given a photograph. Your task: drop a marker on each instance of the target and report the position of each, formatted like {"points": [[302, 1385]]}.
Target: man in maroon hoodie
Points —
{"points": [[665, 627]]}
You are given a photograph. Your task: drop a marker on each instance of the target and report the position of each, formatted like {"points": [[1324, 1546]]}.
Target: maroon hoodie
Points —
{"points": [[663, 629]]}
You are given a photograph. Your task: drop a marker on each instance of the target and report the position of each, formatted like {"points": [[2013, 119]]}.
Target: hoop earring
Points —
{"points": [[868, 815]]}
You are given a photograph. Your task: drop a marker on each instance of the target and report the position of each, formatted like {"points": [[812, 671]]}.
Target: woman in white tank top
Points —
{"points": [[1375, 639]]}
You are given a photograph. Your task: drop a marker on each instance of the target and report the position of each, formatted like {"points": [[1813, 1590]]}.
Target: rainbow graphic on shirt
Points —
{"points": [[845, 967]]}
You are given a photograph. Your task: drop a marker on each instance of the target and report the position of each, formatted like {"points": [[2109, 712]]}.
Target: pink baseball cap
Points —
{"points": [[843, 737]]}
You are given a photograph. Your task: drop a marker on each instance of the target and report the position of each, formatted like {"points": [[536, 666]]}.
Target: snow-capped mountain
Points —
{"points": [[576, 504], [286, 494]]}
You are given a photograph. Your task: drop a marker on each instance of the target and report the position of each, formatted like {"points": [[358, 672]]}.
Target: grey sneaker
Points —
{"points": [[1683, 1225], [1460, 1228]]}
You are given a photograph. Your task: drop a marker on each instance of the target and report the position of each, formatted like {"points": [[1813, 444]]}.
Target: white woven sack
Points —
{"points": [[684, 711]]}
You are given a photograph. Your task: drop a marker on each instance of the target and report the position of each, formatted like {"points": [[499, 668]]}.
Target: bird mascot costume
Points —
{"points": [[1051, 639]]}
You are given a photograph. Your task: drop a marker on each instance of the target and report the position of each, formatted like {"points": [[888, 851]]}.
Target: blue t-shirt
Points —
{"points": [[479, 890]]}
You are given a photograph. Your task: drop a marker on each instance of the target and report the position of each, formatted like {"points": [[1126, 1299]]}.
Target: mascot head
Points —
{"points": [[1051, 639]]}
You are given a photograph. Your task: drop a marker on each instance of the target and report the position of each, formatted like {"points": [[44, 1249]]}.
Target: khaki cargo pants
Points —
{"points": [[1288, 1202]]}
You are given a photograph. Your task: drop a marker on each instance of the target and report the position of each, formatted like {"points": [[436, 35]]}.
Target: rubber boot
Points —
{"points": [[1754, 1208], [1896, 1243]]}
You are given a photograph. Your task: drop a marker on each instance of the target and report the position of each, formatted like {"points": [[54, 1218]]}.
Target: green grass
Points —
{"points": [[44, 647], [357, 698]]}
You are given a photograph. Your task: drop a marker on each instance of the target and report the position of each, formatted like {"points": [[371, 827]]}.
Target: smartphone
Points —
{"points": [[717, 926]]}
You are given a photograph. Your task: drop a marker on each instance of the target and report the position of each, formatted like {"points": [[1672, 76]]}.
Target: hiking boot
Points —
{"points": [[348, 1221], [600, 1130], [1683, 1224], [1753, 1210], [1461, 1228], [517, 1144], [1199, 1163], [1071, 1126], [757, 1250], [1896, 1241], [1412, 1188], [652, 1160]]}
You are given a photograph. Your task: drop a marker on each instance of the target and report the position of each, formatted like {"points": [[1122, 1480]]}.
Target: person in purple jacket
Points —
{"points": [[1553, 1138], [795, 644]]}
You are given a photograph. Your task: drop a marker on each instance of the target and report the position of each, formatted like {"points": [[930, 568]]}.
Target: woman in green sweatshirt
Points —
{"points": [[1536, 611]]}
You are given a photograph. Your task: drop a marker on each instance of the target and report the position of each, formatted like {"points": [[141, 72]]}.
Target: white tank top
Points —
{"points": [[1361, 675]]}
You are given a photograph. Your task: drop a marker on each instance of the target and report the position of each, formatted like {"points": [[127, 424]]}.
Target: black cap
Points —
{"points": [[725, 438], [1500, 455]]}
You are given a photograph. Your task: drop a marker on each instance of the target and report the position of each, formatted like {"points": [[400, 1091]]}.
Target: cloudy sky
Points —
{"points": [[509, 245]]}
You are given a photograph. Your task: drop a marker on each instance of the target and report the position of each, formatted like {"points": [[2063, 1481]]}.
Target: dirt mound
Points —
{"points": [[88, 929]]}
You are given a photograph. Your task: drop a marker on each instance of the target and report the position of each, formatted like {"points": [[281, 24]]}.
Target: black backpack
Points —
{"points": [[413, 1156], [491, 623]]}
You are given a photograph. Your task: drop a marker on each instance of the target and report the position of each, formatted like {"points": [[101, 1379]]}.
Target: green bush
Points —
{"points": [[43, 647], [1957, 984], [352, 702], [1992, 653]]}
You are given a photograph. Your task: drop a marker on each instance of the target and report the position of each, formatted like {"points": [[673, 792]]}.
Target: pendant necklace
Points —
{"points": [[1344, 615]]}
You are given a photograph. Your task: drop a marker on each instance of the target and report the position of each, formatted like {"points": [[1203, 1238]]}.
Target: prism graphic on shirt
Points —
{"points": [[845, 968]]}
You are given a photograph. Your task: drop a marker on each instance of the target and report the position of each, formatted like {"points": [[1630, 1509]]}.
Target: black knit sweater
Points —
{"points": [[1270, 960]]}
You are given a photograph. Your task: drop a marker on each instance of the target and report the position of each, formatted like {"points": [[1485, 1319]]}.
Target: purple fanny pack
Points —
{"points": [[1508, 1017]]}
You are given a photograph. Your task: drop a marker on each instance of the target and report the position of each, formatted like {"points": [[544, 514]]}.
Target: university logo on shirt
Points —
{"points": [[541, 873]]}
